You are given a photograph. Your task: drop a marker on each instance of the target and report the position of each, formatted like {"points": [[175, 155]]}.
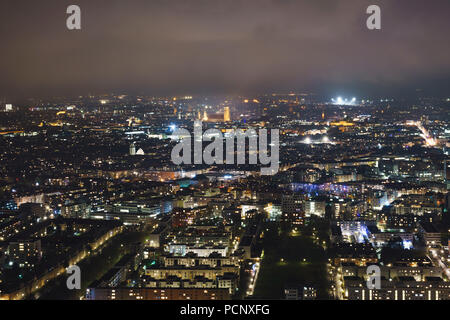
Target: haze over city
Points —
{"points": [[224, 47]]}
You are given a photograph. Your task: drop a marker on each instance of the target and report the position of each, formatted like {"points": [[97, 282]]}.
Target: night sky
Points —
{"points": [[227, 46]]}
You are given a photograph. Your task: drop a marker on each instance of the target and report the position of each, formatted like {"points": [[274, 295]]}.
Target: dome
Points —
{"points": [[140, 152]]}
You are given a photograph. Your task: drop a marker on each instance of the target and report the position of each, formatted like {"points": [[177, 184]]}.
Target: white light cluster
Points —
{"points": [[344, 101]]}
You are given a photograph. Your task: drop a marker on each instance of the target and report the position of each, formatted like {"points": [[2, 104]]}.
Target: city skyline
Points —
{"points": [[245, 152]]}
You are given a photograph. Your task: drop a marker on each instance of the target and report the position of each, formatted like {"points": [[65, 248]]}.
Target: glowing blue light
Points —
{"points": [[407, 244]]}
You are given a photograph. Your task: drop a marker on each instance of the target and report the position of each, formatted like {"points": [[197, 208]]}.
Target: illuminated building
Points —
{"points": [[431, 235], [292, 209], [447, 173], [189, 273], [402, 288], [316, 208], [156, 294], [300, 292], [140, 152], [360, 254], [226, 114], [132, 149], [25, 252]]}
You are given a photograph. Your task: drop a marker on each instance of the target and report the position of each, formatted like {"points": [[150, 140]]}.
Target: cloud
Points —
{"points": [[228, 46]]}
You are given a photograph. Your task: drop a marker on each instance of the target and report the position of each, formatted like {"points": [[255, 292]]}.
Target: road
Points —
{"points": [[438, 258]]}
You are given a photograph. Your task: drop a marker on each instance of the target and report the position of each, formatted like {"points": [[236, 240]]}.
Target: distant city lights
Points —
{"points": [[344, 101], [318, 140]]}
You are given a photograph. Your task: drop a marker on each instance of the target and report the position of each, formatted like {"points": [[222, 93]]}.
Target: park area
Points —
{"points": [[290, 258]]}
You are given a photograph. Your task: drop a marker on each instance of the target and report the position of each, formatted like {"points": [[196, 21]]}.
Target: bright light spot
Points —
{"points": [[344, 101]]}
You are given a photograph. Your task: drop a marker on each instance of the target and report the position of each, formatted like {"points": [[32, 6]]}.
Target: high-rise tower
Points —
{"points": [[132, 149], [226, 114]]}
